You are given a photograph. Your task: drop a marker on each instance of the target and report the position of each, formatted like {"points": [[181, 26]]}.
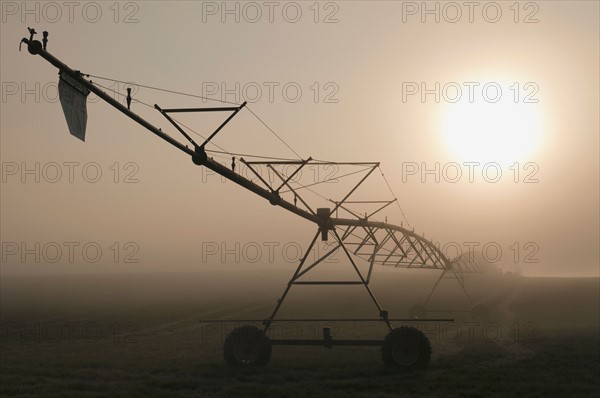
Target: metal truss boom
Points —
{"points": [[379, 243]]}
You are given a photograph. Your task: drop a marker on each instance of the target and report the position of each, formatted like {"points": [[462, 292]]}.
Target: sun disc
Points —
{"points": [[500, 132]]}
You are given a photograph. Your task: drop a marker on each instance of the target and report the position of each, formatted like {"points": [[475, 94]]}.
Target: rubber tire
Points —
{"points": [[412, 342], [480, 312], [247, 347], [417, 311]]}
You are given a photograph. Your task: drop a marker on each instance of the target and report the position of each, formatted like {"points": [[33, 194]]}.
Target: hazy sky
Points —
{"points": [[337, 81]]}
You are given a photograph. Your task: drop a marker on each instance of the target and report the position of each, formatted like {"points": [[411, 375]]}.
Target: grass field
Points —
{"points": [[140, 336]]}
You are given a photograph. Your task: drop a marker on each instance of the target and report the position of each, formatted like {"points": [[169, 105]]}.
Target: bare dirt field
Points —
{"points": [[140, 336]]}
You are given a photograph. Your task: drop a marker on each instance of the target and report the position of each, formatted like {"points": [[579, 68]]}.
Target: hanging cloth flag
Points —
{"points": [[73, 97]]}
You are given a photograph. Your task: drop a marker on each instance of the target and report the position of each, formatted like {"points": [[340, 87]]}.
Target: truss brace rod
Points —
{"points": [[329, 253], [381, 208], [164, 113], [354, 189], [317, 162], [267, 323], [382, 313], [239, 108], [293, 174], [256, 174], [328, 320], [291, 189], [345, 208], [182, 110]]}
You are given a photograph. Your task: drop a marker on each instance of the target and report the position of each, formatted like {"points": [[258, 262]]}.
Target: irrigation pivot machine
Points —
{"points": [[357, 237]]}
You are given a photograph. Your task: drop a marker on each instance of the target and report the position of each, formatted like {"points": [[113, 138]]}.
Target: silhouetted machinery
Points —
{"points": [[356, 237]]}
